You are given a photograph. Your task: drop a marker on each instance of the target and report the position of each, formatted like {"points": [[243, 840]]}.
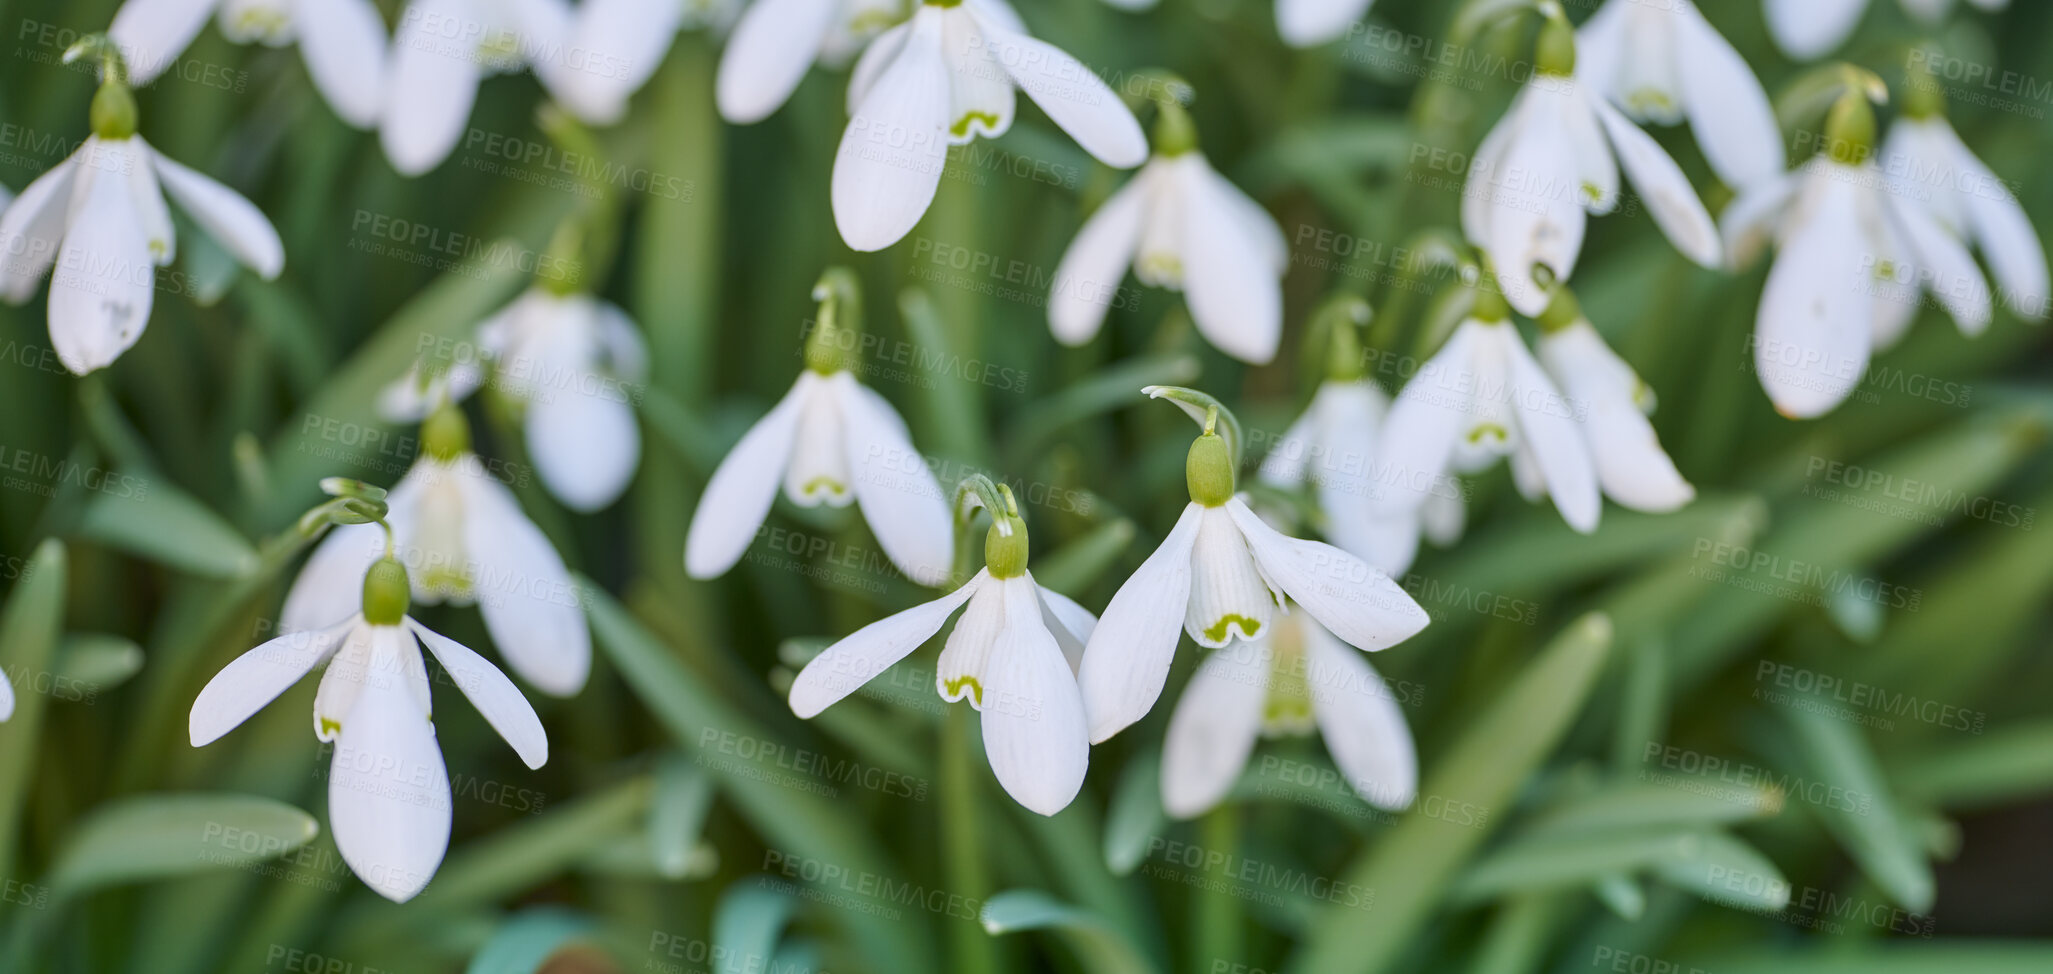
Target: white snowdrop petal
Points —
{"points": [[739, 495], [1229, 279], [1810, 29], [433, 84], [495, 696], [1444, 516], [843, 668], [388, 792], [257, 677], [1631, 466], [959, 674], [1548, 426], [1812, 337], [150, 210], [1750, 221], [1424, 422], [900, 498], [1666, 191], [1229, 599], [1127, 658], [531, 606], [889, 164], [881, 53], [234, 222], [153, 33], [1309, 23], [1944, 266], [1087, 281], [1728, 109], [618, 45], [981, 98], [1034, 731], [1214, 726], [767, 55], [1345, 594], [6, 697], [585, 442], [1361, 722], [101, 293], [1536, 213], [1070, 92], [1595, 164], [343, 42], [1071, 624], [32, 229]]}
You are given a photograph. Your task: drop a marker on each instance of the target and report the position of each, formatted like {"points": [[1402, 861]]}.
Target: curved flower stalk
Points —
{"points": [[1180, 225], [443, 49], [1810, 29], [943, 78], [1664, 63], [1613, 405], [100, 218], [1553, 159], [1223, 574], [388, 789], [775, 41], [1012, 655], [830, 440], [1294, 679], [343, 42], [468, 541], [1482, 397], [1853, 261], [1310, 23]]}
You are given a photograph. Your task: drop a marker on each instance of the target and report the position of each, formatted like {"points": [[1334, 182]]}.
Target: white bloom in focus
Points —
{"points": [[775, 41], [1931, 168], [1181, 226], [343, 42], [1810, 29], [1613, 404], [1012, 654], [1553, 158], [465, 539], [830, 440], [1664, 63], [1222, 575], [99, 217], [1482, 397], [442, 50], [1854, 259], [943, 78], [1292, 680], [1309, 23], [389, 802], [574, 360], [1333, 445]]}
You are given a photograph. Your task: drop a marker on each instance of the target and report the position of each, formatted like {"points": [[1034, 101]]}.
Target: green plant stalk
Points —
{"points": [[962, 844], [1215, 914]]}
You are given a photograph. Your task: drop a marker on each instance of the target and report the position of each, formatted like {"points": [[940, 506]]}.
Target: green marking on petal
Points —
{"points": [[1488, 431], [819, 485], [976, 689], [963, 125], [1248, 627], [330, 728], [1593, 191]]}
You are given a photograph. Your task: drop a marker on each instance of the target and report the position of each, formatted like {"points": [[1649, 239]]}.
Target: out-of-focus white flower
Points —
{"points": [[574, 360], [1309, 23], [388, 790], [1810, 29], [468, 541], [343, 42], [6, 697], [1180, 225], [1613, 404], [1291, 680], [99, 217], [775, 41], [443, 49], [943, 78], [1664, 63], [1929, 167]]}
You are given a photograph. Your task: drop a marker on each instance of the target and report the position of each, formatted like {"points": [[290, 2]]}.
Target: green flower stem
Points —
{"points": [[962, 841], [1215, 913], [839, 324]]}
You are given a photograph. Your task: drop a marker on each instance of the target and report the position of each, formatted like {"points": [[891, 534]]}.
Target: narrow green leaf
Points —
{"points": [[526, 941], [167, 525], [91, 663], [746, 926], [1135, 816], [152, 837], [1103, 949], [1542, 862], [1871, 827], [30, 627], [1723, 869]]}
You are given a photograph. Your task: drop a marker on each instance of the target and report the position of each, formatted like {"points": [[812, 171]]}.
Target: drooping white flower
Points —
{"points": [[1482, 397], [1223, 574], [830, 440], [465, 539], [1180, 225], [1810, 29], [943, 78], [343, 42], [443, 49], [775, 41], [1309, 23], [1664, 63], [1930, 168], [1554, 158], [1853, 260], [1291, 680], [100, 218], [1333, 446], [1613, 403], [388, 789]]}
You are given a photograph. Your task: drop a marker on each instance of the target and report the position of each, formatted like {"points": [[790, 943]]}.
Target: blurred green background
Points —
{"points": [[1680, 781]]}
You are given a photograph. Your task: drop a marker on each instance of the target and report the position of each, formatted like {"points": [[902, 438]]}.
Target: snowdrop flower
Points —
{"points": [[1179, 225], [1555, 156], [442, 50], [1663, 63], [1614, 404], [1929, 167], [775, 41], [1287, 683], [1012, 655], [1479, 398], [468, 542], [388, 790], [1810, 29], [1223, 574], [943, 78], [343, 42], [99, 217], [1310, 23], [830, 440], [1853, 260]]}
